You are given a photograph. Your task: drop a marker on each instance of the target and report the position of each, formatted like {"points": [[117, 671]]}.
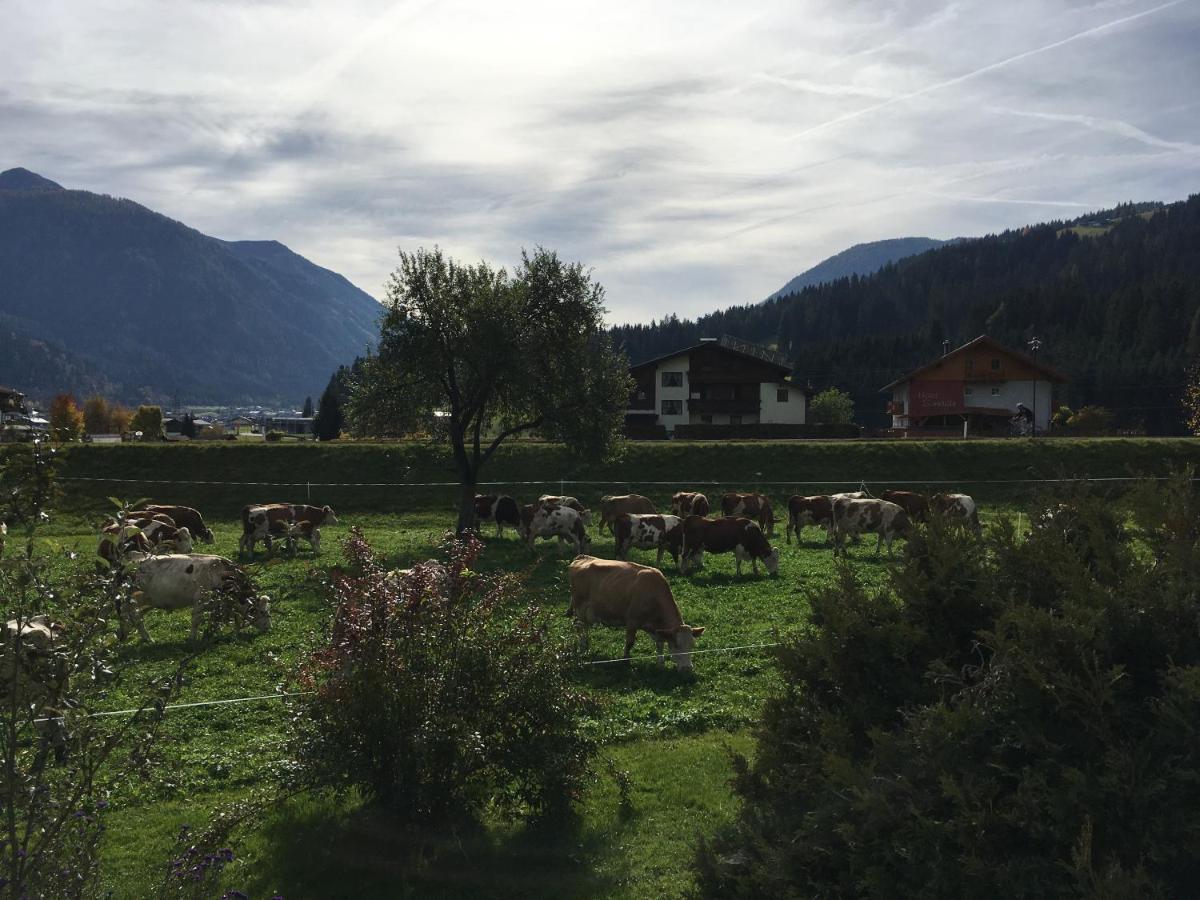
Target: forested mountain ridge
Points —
{"points": [[156, 309], [861, 259], [1117, 309]]}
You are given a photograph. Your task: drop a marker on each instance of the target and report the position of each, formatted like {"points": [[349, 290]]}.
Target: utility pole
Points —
{"points": [[1035, 344]]}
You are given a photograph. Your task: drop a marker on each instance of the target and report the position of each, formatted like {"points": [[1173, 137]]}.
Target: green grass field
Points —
{"points": [[671, 734]]}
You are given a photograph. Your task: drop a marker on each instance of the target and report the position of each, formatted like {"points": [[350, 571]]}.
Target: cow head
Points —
{"points": [[207, 536], [256, 611], [330, 518], [771, 561], [183, 541], [682, 641]]}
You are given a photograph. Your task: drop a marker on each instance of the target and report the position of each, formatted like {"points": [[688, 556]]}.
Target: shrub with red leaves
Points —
{"points": [[440, 693]]}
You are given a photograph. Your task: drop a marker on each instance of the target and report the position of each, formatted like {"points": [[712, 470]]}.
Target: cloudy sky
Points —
{"points": [[694, 154]]}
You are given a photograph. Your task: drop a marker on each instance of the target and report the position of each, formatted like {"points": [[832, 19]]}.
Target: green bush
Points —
{"points": [[439, 700], [1017, 718]]}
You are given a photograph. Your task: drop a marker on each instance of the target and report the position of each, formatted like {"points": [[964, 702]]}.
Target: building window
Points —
{"points": [[672, 379], [641, 395], [781, 395], [995, 392], [968, 391], [735, 420], [995, 365], [672, 407], [706, 420]]}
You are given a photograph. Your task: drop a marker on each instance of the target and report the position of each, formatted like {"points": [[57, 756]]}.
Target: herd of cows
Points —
{"points": [[155, 546], [623, 594]]}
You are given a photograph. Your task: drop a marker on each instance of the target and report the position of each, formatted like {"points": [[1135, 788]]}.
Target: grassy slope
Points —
{"points": [[667, 731]]}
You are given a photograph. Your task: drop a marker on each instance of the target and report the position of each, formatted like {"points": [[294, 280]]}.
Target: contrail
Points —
{"points": [[981, 71]]}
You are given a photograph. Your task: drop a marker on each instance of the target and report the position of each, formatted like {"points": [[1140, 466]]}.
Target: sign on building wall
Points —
{"points": [[935, 398]]}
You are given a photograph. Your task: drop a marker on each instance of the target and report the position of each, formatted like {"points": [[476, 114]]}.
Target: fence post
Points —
{"points": [[562, 487], [308, 490]]}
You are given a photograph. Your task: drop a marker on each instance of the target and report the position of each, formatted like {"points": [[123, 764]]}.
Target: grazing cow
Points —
{"points": [[301, 529], [737, 534], [648, 532], [259, 521], [816, 510], [438, 574], [570, 502], [916, 505], [143, 535], [547, 521], [180, 580], [186, 517], [318, 515], [502, 510], [637, 598], [689, 503], [623, 505], [750, 506], [879, 517], [958, 508]]}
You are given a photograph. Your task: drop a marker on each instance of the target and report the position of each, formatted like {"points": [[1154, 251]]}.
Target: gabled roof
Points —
{"points": [[729, 344], [983, 341]]}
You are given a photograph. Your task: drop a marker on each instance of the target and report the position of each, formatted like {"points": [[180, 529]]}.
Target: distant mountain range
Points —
{"points": [[861, 259], [102, 294]]}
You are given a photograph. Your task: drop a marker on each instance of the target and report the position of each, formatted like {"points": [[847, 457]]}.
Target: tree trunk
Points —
{"points": [[466, 504]]}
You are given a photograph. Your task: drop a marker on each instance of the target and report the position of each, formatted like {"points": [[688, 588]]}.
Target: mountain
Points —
{"points": [[861, 259], [154, 309], [1114, 297]]}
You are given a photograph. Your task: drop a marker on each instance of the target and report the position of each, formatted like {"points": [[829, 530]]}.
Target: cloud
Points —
{"points": [[694, 157]]}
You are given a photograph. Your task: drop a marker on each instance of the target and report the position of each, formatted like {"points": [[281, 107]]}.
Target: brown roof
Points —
{"points": [[984, 341]]}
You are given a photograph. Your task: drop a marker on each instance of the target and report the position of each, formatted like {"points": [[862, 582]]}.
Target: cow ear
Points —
{"points": [[696, 632]]}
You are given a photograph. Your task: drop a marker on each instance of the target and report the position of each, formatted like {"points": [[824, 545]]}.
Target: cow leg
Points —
{"points": [[889, 546], [659, 644], [879, 543], [791, 526], [737, 554], [630, 637], [581, 628], [754, 564], [661, 549], [136, 615]]}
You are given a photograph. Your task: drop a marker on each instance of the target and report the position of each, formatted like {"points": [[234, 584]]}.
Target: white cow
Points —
{"points": [[438, 574], [852, 517], [178, 581], [958, 508], [562, 522], [648, 532]]}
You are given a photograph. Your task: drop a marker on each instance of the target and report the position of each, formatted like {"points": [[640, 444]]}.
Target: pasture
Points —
{"points": [[670, 734]]}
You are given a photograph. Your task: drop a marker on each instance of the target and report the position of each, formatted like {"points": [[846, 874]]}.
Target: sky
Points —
{"points": [[694, 155]]}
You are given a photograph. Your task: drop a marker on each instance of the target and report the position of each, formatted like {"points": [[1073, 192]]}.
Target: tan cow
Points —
{"points": [[689, 503], [879, 517], [750, 506], [612, 506], [737, 534], [648, 532], [637, 598]]}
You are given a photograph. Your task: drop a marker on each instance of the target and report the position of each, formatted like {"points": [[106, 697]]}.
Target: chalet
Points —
{"points": [[976, 388], [11, 403], [718, 382]]}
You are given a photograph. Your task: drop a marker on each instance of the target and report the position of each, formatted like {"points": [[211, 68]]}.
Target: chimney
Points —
{"points": [[945, 347]]}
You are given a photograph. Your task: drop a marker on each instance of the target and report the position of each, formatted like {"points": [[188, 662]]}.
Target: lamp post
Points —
{"points": [[1035, 344]]}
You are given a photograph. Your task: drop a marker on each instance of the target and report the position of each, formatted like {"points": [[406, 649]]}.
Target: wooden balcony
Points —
{"points": [[735, 407]]}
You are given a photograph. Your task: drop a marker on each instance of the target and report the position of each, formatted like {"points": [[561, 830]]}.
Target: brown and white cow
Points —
{"points": [[623, 594], [612, 506], [180, 581], [548, 521], [879, 517], [502, 510], [258, 523], [141, 535], [318, 515], [730, 534], [750, 506], [185, 517], [570, 502], [958, 508], [648, 532], [815, 510], [916, 505], [689, 503], [293, 532]]}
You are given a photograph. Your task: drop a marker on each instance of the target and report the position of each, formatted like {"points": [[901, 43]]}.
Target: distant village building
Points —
{"points": [[719, 386], [975, 389], [17, 421], [289, 424]]}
